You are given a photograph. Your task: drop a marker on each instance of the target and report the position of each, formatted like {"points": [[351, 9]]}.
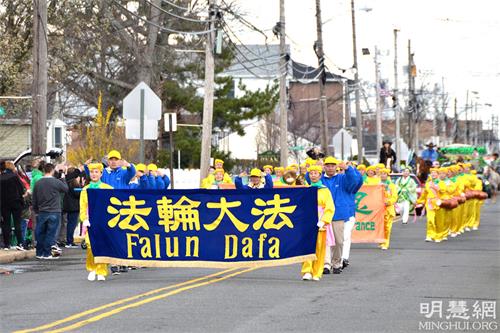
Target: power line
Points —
{"points": [[162, 28], [177, 16]]}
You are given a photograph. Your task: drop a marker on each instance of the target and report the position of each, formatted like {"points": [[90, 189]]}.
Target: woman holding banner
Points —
{"points": [[326, 209], [391, 196], [99, 271], [407, 194]]}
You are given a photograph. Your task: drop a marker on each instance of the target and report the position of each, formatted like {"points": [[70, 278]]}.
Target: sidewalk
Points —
{"points": [[9, 256]]}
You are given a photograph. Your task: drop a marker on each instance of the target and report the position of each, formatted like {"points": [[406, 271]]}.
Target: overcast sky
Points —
{"points": [[454, 39]]}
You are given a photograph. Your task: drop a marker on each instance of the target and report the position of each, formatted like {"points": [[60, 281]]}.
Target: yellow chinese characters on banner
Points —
{"points": [[370, 209]]}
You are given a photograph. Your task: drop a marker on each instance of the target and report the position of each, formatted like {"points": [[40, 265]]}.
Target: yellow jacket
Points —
{"points": [[210, 179], [478, 184], [375, 180], [325, 201], [446, 189], [84, 204], [430, 196]]}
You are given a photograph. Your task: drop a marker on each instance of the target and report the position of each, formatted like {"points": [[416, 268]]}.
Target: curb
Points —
{"points": [[13, 255]]}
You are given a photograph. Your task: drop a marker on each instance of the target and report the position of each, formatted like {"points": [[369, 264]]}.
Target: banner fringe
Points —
{"points": [[204, 264]]}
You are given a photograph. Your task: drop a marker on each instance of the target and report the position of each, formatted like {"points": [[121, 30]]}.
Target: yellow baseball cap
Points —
{"points": [[255, 173], [331, 160], [268, 167], [93, 166], [219, 170], [279, 168], [443, 169], [291, 168], [315, 168], [310, 161], [152, 167], [371, 168], [379, 165], [114, 154], [361, 167], [385, 170], [140, 167], [219, 161], [474, 172], [434, 169]]}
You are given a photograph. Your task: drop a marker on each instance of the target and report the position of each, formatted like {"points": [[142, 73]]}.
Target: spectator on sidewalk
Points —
{"points": [[47, 204], [71, 204], [12, 204]]}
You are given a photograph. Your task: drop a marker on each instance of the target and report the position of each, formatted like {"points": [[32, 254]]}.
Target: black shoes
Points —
{"points": [[326, 270], [345, 263], [337, 270]]}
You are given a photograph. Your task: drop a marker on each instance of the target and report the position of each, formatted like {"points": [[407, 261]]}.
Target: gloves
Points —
{"points": [[86, 223], [320, 224]]}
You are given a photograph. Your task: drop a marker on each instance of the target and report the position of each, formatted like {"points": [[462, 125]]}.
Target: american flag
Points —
{"points": [[383, 89]]}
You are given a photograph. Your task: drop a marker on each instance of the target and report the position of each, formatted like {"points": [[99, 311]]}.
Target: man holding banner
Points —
{"points": [[341, 187]]}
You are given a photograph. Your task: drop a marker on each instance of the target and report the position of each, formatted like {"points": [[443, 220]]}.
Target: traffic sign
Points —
{"points": [[132, 103], [170, 117], [133, 129]]}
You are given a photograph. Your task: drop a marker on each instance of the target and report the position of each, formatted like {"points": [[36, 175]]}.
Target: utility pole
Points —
{"points": [[39, 89], [395, 96], [455, 127], [318, 48], [208, 102], [378, 112], [467, 118], [283, 106], [359, 120], [411, 98]]}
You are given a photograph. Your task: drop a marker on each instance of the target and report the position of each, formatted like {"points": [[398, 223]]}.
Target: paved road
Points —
{"points": [[379, 292]]}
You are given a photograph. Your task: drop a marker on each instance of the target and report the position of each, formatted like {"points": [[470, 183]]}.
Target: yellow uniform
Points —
{"points": [[100, 269], [478, 186], [210, 180], [469, 204], [457, 213], [326, 207], [444, 216], [374, 180], [429, 198], [391, 196]]}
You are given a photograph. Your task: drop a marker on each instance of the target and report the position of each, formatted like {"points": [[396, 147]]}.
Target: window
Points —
{"points": [[58, 137]]}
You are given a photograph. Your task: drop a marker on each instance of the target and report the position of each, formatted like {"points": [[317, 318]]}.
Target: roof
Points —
{"points": [[305, 72]]}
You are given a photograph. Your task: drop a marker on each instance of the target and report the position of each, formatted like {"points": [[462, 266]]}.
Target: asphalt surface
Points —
{"points": [[381, 291]]}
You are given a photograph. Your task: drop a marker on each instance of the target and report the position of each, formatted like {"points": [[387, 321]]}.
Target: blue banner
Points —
{"points": [[203, 228]]}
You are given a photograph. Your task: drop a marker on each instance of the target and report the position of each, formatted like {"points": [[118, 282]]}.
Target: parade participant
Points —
{"points": [[118, 173], [469, 204], [340, 186], [462, 183], [218, 179], [279, 171], [303, 169], [140, 180], [479, 203], [99, 271], [155, 182], [430, 154], [309, 161], [349, 225], [371, 176], [429, 198], [379, 167], [362, 170], [443, 215], [407, 194], [293, 167], [219, 164], [391, 197], [255, 180], [313, 269], [268, 169], [458, 192]]}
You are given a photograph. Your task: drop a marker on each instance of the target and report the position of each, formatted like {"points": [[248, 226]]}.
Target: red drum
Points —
{"points": [[470, 195], [482, 195], [449, 203], [460, 199]]}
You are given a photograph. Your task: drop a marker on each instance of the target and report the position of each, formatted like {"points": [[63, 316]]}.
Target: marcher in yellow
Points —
{"points": [[268, 169], [99, 271], [219, 164], [391, 196], [479, 203], [278, 172], [457, 213], [371, 176], [443, 215], [469, 204], [313, 269], [429, 198], [217, 180]]}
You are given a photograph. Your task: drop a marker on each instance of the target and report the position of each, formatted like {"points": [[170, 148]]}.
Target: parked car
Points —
{"points": [[52, 153]]}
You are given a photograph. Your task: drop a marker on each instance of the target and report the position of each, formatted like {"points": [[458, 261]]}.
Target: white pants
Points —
{"points": [[405, 210], [347, 237]]}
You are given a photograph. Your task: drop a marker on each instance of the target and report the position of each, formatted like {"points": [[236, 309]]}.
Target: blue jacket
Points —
{"points": [[166, 182], [353, 195], [430, 155], [238, 182], [119, 177], [343, 188]]}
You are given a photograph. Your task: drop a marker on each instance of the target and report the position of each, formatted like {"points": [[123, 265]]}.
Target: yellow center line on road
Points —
{"points": [[121, 301], [145, 301]]}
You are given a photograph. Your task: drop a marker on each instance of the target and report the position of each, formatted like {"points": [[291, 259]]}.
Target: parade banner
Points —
{"points": [[203, 228], [370, 210]]}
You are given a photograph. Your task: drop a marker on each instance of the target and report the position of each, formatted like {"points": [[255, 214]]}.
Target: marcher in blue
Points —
{"points": [[349, 225], [343, 187], [255, 180], [118, 173], [430, 154]]}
